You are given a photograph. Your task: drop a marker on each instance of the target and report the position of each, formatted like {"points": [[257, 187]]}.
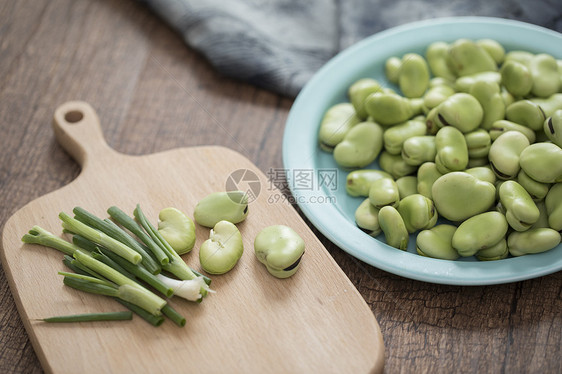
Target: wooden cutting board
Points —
{"points": [[313, 322]]}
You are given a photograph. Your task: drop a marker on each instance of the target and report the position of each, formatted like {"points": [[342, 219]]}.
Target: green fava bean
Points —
{"points": [[395, 165], [542, 162], [360, 147], [483, 173], [461, 111], [494, 49], [537, 190], [384, 192], [229, 206], [359, 91], [336, 123], [427, 175], [407, 186], [437, 242], [419, 149], [478, 143], [526, 113], [553, 128], [503, 126], [392, 69], [390, 108], [393, 227], [437, 54], [543, 218], [367, 218], [466, 58], [548, 105], [452, 151], [358, 182], [489, 97], [439, 81], [479, 232], [544, 71], [436, 95], [507, 97], [280, 249], [178, 230], [418, 213], [476, 162], [220, 253], [459, 195], [516, 78], [395, 136], [522, 57], [505, 154], [520, 209], [413, 78], [532, 241], [466, 83], [498, 251], [553, 204]]}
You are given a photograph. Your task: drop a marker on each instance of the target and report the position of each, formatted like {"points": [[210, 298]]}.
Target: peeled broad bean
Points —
{"points": [[452, 151], [548, 105], [526, 113], [522, 57], [466, 57], [413, 78], [505, 154], [520, 209], [479, 232], [280, 249], [478, 143], [337, 121], [553, 204], [553, 128], [459, 195], [367, 218], [503, 126], [392, 69], [419, 149], [516, 78], [494, 49], [359, 91], [178, 230], [418, 212], [395, 136], [489, 96], [543, 218], [427, 175], [229, 206], [384, 192], [536, 190], [437, 54], [395, 165], [466, 83], [358, 182], [544, 71], [437, 242], [483, 173], [391, 109], [436, 95], [532, 241], [461, 111], [542, 162], [496, 252], [220, 253], [393, 227], [360, 147], [407, 185]]}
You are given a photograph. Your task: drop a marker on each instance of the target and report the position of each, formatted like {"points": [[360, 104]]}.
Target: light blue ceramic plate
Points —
{"points": [[311, 172]]}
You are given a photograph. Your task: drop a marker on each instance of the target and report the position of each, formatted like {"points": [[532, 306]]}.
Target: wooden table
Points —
{"points": [[153, 93]]}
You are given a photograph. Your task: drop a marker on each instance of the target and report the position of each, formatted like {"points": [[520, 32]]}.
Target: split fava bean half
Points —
{"points": [[178, 230], [280, 249], [229, 206], [220, 253]]}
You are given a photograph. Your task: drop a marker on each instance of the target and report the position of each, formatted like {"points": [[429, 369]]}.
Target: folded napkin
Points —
{"points": [[279, 44]]}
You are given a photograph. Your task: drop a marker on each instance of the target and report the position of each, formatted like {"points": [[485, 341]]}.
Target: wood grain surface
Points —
{"points": [[155, 94]]}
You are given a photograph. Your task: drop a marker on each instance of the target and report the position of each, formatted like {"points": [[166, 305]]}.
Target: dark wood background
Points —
{"points": [[153, 93]]}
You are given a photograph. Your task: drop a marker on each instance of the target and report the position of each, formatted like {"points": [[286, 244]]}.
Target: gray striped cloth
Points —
{"points": [[279, 44]]}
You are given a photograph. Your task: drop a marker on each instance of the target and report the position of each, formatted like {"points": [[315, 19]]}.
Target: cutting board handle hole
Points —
{"points": [[74, 116]]}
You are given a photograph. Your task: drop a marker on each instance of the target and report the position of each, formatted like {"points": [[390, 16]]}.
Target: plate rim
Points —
{"points": [[425, 268]]}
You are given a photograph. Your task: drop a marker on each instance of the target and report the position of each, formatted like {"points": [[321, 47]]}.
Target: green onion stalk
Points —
{"points": [[98, 237], [89, 317]]}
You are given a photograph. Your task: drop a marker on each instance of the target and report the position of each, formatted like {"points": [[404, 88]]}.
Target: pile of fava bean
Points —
{"points": [[473, 135]]}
